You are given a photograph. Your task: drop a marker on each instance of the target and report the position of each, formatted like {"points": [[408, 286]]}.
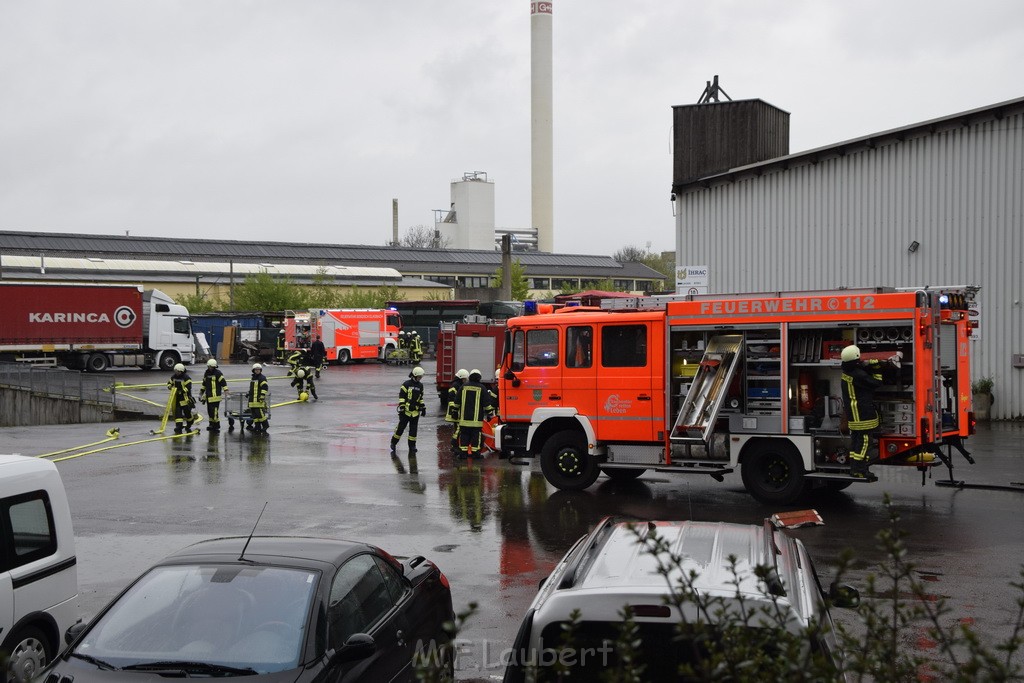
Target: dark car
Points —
{"points": [[276, 608]]}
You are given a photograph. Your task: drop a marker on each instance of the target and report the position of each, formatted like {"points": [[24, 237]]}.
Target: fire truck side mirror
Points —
{"points": [[516, 382]]}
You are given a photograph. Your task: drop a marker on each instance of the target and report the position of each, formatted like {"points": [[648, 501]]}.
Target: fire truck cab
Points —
{"points": [[711, 384]]}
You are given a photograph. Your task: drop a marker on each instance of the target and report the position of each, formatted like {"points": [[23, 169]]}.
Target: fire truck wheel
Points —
{"points": [[344, 357], [624, 474], [773, 473], [566, 463]]}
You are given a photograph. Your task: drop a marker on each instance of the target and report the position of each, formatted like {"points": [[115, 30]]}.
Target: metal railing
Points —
{"points": [[59, 383]]}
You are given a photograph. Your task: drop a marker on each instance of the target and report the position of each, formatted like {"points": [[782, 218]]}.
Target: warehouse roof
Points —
{"points": [[813, 156], [403, 259]]}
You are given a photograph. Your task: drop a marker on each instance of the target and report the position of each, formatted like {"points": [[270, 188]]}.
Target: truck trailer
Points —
{"points": [[713, 383], [93, 327]]}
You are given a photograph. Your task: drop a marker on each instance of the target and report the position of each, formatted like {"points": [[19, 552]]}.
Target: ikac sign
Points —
{"points": [[540, 8]]}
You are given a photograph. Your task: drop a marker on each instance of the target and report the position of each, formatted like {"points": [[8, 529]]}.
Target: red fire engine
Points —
{"points": [[708, 384], [474, 343], [348, 334]]}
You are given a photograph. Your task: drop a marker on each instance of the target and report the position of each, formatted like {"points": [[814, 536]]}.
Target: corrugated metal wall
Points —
{"points": [[848, 221]]}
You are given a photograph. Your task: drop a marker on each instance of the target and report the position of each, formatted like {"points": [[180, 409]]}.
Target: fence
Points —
{"points": [[34, 395]]}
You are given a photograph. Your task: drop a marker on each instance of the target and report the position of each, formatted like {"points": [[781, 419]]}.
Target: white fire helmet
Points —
{"points": [[497, 373], [300, 374], [211, 363], [850, 352], [256, 367], [463, 373], [417, 371], [179, 367]]}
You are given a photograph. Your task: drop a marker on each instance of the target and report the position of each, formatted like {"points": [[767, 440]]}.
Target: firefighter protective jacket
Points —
{"points": [[214, 386], [452, 413], [410, 398], [473, 404], [258, 390], [859, 395], [181, 384]]}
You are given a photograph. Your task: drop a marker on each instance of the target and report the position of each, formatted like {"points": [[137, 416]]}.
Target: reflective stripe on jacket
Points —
{"points": [[214, 385]]}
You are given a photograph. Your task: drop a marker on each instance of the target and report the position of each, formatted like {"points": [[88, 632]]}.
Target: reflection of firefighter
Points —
{"points": [[180, 385], [259, 389], [466, 496], [410, 407], [215, 387], [472, 410], [303, 383]]}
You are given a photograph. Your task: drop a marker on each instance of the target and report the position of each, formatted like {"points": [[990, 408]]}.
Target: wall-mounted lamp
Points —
{"points": [[913, 246]]}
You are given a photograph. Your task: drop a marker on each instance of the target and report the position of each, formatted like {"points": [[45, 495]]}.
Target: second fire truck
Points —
{"points": [[712, 384]]}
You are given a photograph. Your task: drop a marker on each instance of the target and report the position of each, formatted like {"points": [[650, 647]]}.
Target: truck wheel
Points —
{"points": [[168, 361], [624, 474], [30, 651], [773, 473], [566, 463], [97, 362], [344, 357]]}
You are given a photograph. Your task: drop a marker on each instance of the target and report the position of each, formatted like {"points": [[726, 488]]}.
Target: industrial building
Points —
{"points": [[184, 266], [935, 203]]}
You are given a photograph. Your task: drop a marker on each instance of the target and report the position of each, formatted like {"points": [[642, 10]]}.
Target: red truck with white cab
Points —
{"points": [[93, 326]]}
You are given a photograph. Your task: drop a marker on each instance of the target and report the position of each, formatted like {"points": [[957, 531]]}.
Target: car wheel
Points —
{"points": [[624, 474], [773, 473], [344, 357], [97, 362], [168, 361], [566, 463], [30, 651]]}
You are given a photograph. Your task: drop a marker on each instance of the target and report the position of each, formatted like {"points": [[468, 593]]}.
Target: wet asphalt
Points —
{"points": [[494, 527]]}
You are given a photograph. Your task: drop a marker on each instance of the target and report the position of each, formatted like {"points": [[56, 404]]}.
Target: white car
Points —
{"points": [[38, 567], [612, 567]]}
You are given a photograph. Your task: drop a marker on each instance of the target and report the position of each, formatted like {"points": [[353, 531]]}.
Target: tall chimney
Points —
{"points": [[394, 222], [542, 168]]}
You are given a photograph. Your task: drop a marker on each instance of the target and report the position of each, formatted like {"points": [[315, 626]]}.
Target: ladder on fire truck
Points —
{"points": [[699, 411], [446, 350]]}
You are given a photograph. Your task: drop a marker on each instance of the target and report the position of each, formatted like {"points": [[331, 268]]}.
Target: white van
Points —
{"points": [[38, 572]]}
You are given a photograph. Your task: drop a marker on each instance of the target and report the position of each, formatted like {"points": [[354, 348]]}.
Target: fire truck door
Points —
{"points": [[625, 395], [579, 371]]}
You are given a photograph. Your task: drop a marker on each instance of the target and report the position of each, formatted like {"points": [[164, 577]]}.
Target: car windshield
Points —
{"points": [[227, 615]]}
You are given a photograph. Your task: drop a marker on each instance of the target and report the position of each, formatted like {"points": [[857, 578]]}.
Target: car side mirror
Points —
{"points": [[843, 595], [358, 646], [74, 631]]}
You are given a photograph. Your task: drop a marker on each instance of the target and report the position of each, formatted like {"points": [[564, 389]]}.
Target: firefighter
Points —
{"points": [[259, 390], [415, 348], [296, 359], [402, 341], [473, 404], [859, 380], [492, 396], [303, 382], [410, 407], [451, 413], [180, 385], [317, 355], [280, 347], [215, 389]]}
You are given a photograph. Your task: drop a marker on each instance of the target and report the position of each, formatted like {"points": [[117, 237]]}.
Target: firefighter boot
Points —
{"points": [[858, 468], [394, 442], [412, 447]]}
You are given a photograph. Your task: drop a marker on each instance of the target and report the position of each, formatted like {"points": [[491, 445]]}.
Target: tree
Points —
{"points": [[423, 237], [634, 254], [199, 303], [266, 292], [520, 285], [357, 297], [322, 293]]}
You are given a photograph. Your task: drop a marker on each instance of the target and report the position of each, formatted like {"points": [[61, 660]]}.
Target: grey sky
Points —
{"points": [[301, 119]]}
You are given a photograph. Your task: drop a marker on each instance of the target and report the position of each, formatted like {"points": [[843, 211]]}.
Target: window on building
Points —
{"points": [[538, 282], [564, 283], [476, 281], [623, 285], [644, 285]]}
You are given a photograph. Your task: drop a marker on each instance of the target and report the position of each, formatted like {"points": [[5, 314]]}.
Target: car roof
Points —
{"points": [[282, 550], [24, 463], [704, 548]]}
